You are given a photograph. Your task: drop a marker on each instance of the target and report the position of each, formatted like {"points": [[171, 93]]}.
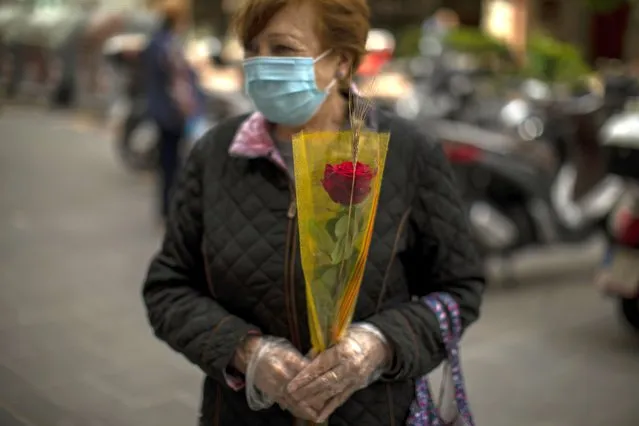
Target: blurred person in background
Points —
{"points": [[434, 32], [172, 94], [226, 284], [441, 22]]}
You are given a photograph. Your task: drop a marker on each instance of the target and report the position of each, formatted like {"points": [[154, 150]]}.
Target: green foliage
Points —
{"points": [[548, 59], [408, 42], [341, 227], [324, 240], [473, 40], [464, 39], [554, 61]]}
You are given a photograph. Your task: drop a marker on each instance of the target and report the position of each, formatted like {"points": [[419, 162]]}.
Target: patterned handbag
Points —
{"points": [[453, 408]]}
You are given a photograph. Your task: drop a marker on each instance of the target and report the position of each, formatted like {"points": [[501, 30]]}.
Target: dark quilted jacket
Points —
{"points": [[229, 265]]}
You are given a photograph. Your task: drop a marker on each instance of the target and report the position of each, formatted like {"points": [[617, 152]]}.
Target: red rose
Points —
{"points": [[338, 182]]}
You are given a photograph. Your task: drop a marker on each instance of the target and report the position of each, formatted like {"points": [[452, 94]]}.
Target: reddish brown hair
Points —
{"points": [[342, 24]]}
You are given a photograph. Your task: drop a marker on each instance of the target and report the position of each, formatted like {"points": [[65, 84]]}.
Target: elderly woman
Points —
{"points": [[227, 282]]}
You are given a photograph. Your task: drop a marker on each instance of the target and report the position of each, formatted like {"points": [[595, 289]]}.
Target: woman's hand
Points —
{"points": [[271, 364], [335, 374]]}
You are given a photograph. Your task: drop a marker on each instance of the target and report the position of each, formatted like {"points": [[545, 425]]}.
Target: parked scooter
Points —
{"points": [[530, 169], [518, 191], [619, 277]]}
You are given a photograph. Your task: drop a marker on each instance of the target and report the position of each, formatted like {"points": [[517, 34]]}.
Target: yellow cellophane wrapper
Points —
{"points": [[330, 231]]}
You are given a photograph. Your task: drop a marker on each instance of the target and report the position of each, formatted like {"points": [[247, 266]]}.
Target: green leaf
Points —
{"points": [[324, 292], [341, 227], [350, 262], [353, 226], [359, 220], [338, 253], [330, 226], [329, 278], [348, 250], [323, 259], [323, 239], [320, 271], [352, 259]]}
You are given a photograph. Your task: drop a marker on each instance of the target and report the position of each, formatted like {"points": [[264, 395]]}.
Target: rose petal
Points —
{"points": [[348, 182]]}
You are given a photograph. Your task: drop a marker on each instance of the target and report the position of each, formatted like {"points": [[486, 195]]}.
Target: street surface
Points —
{"points": [[76, 232]]}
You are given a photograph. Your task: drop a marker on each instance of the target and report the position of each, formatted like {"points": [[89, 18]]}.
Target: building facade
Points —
{"points": [[569, 20], [390, 14]]}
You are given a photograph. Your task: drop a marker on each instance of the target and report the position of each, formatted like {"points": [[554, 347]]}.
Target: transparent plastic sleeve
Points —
{"points": [[338, 177]]}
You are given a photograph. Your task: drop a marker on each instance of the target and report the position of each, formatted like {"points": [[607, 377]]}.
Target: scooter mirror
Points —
{"points": [[596, 85], [621, 131], [537, 90], [515, 112]]}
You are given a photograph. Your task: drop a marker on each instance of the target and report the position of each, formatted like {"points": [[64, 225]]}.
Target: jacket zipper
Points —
{"points": [[400, 229], [391, 404], [218, 405], [289, 272], [289, 277], [289, 268], [289, 256]]}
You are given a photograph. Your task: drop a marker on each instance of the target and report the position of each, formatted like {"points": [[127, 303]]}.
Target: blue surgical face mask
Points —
{"points": [[284, 89]]}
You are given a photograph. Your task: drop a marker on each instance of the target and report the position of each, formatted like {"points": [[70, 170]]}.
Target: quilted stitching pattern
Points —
{"points": [[241, 208]]}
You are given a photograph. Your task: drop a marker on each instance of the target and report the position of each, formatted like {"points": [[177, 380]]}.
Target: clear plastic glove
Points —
{"points": [[335, 374], [271, 363]]}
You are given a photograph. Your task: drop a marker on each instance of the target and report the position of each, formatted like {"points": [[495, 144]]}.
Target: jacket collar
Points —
{"points": [[253, 139]]}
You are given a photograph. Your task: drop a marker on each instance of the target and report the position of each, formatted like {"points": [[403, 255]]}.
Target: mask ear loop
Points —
{"points": [[330, 85], [322, 56], [334, 80]]}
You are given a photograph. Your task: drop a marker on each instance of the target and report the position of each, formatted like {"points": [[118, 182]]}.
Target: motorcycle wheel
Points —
{"points": [[137, 144], [630, 311], [526, 234], [525, 225]]}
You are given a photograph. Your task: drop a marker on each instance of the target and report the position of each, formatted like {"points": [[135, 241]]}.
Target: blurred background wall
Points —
{"points": [[598, 28]]}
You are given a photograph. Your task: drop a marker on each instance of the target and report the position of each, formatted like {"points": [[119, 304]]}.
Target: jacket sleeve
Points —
{"points": [[443, 258], [180, 309]]}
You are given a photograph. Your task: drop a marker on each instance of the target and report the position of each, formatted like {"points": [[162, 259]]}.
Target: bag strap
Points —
{"points": [[453, 313], [423, 411], [454, 337]]}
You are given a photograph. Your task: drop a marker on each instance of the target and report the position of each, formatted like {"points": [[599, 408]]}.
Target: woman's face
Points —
{"points": [[292, 32]]}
